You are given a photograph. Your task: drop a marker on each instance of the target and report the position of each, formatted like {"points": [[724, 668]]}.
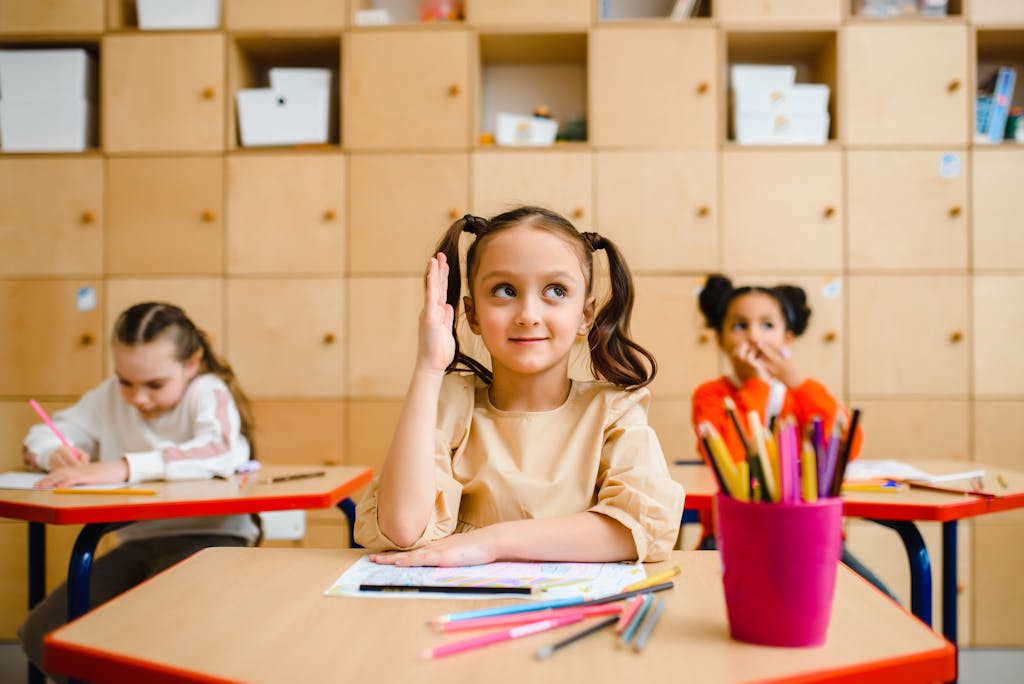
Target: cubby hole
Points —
{"points": [[902, 9], [368, 12], [123, 15], [520, 73], [250, 59], [1000, 48], [680, 10]]}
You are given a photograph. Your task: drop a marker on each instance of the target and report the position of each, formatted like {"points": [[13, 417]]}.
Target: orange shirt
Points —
{"points": [[805, 402]]}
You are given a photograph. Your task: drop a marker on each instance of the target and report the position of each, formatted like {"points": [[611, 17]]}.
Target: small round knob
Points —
{"points": [[829, 212], [830, 336], [954, 85], [453, 213], [955, 210], [703, 87], [208, 216], [329, 215], [454, 89], [578, 212], [956, 336], [329, 338], [330, 462], [208, 93], [703, 338], [703, 210], [87, 339], [87, 217]]}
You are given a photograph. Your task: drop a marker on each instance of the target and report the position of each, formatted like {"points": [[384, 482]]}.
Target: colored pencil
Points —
{"points": [[808, 472], [715, 470], [730, 408], [656, 578], [949, 490], [770, 485], [513, 619], [454, 589], [634, 624], [499, 636], [50, 424], [652, 621], [289, 478], [593, 629], [844, 454], [628, 612], [124, 491], [532, 606]]}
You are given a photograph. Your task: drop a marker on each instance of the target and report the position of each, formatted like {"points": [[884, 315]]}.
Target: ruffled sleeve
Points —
{"points": [[454, 413], [634, 485]]}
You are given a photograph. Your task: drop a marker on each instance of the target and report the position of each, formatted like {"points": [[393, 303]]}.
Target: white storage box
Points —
{"points": [[297, 78], [272, 117], [530, 131], [47, 125], [61, 74], [761, 75], [801, 98], [178, 14], [782, 129]]}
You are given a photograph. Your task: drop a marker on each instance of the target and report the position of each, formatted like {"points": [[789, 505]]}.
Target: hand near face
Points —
{"points": [[746, 361], [436, 343], [778, 363]]}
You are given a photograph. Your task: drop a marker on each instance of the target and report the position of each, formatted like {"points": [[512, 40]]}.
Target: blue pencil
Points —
{"points": [[634, 624], [543, 605]]}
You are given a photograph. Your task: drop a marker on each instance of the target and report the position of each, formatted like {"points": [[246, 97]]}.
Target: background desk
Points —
{"points": [[258, 615], [101, 514], [900, 511]]}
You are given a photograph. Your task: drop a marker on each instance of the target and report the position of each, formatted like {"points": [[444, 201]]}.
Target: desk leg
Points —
{"points": [[949, 581], [348, 507], [80, 567], [36, 581], [920, 567]]}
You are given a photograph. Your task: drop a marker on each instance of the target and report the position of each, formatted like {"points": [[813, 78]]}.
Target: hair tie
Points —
{"points": [[473, 224], [594, 241]]}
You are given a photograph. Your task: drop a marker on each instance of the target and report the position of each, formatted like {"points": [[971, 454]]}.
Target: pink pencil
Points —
{"points": [[503, 635], [523, 618], [46, 419], [628, 613]]}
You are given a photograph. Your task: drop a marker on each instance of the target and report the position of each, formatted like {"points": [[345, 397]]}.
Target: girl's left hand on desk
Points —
{"points": [[471, 548], [103, 472]]}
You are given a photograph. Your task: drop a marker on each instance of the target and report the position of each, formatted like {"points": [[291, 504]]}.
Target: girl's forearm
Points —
{"points": [[580, 537], [407, 483]]}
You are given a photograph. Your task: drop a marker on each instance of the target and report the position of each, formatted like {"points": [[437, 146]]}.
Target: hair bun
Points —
{"points": [[796, 298], [473, 224], [593, 240], [715, 293]]}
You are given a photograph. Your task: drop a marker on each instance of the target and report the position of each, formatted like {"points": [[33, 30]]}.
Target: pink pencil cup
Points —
{"points": [[779, 566]]}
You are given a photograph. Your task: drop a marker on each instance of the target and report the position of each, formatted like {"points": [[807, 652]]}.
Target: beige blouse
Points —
{"points": [[595, 452]]}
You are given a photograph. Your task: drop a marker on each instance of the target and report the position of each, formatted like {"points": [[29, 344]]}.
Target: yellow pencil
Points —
{"points": [[808, 472], [122, 491], [656, 578], [757, 431], [720, 453]]}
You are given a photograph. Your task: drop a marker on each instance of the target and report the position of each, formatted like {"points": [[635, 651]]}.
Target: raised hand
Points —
{"points": [[436, 343]]}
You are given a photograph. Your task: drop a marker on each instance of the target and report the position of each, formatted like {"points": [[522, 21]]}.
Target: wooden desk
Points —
{"points": [[102, 514], [900, 511], [258, 615]]}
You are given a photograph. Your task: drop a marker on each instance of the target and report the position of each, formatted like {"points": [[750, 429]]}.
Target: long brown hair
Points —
{"points": [[148, 321], [614, 355]]}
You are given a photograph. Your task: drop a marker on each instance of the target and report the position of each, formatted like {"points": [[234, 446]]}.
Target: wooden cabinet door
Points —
{"points": [[819, 352], [286, 213], [374, 373], [653, 86], [286, 337], [273, 15], [997, 205], [905, 85], [53, 337], [790, 12], [659, 207], [397, 237], [51, 221], [52, 16], [165, 215], [163, 93], [529, 12], [782, 211], [559, 180], [907, 209], [300, 431], [915, 429], [908, 336], [996, 11], [998, 322], [667, 322], [406, 89]]}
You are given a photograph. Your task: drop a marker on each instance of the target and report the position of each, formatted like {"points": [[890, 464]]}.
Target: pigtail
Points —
{"points": [[794, 304], [613, 354], [210, 362], [714, 299], [449, 246]]}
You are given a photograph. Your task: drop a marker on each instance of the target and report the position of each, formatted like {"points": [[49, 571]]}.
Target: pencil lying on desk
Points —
{"points": [[513, 619], [503, 635], [122, 491], [593, 629], [288, 478], [435, 589]]}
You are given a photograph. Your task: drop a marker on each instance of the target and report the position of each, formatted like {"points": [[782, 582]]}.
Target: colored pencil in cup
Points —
{"points": [[844, 453], [50, 424], [502, 635]]}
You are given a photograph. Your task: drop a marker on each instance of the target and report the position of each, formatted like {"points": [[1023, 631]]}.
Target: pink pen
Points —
{"points": [[60, 435], [513, 619], [502, 635]]}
